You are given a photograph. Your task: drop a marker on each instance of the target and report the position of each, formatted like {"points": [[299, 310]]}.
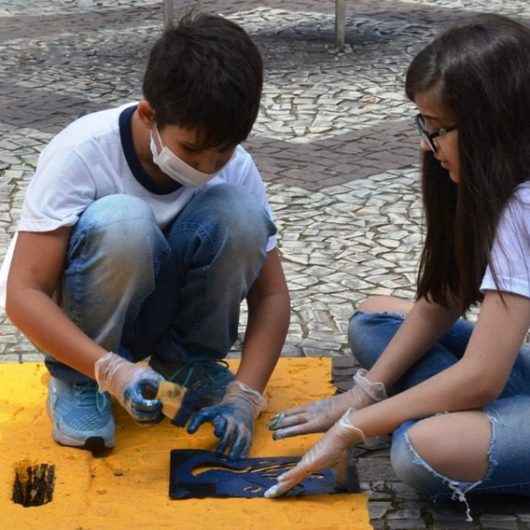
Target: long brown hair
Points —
{"points": [[480, 70]]}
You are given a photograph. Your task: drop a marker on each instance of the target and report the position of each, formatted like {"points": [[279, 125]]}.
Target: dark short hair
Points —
{"points": [[205, 73], [480, 72]]}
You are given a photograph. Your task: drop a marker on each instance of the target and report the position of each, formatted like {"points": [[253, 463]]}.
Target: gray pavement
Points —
{"points": [[334, 140]]}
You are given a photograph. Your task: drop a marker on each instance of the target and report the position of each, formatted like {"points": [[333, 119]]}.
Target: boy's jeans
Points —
{"points": [[509, 454], [174, 295]]}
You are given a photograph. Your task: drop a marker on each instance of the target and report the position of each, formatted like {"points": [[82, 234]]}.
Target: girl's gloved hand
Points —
{"points": [[133, 385], [233, 418], [319, 416], [327, 452]]}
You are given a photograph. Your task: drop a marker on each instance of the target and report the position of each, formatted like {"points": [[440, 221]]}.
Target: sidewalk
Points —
{"points": [[335, 142]]}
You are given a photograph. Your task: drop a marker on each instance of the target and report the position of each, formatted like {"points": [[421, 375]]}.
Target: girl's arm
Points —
{"points": [[478, 378], [424, 324]]}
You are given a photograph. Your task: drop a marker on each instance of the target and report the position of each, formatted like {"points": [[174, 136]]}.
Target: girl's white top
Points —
{"points": [[510, 254]]}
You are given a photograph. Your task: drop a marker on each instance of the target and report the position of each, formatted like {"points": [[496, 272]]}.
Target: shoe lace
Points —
{"points": [[208, 368], [88, 396]]}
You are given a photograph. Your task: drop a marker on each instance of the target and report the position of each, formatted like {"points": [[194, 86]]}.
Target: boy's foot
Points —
{"points": [[81, 416], [205, 379]]}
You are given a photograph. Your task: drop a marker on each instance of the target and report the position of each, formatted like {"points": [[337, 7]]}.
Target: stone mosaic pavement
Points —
{"points": [[335, 142]]}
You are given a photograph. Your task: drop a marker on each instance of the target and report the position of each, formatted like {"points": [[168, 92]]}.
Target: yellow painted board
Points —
{"points": [[128, 488]]}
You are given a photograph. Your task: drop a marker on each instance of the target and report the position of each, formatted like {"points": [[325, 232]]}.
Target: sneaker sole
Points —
{"points": [[94, 444]]}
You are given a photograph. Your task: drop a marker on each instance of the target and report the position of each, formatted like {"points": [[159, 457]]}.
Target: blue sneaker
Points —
{"points": [[81, 416], [205, 379]]}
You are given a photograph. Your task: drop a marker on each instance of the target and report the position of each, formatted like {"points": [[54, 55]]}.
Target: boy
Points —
{"points": [[142, 230]]}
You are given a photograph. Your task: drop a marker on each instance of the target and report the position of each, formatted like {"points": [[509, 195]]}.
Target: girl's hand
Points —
{"points": [[327, 452], [319, 416]]}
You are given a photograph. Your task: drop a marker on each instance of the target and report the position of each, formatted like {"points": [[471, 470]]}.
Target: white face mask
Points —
{"points": [[174, 167]]}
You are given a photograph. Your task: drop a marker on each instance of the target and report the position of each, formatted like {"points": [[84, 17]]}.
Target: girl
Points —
{"points": [[460, 394]]}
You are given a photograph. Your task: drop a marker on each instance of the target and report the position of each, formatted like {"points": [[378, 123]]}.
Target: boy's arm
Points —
{"points": [[35, 272], [233, 418], [268, 323]]}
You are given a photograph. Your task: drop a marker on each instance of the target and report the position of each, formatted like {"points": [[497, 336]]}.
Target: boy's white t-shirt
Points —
{"points": [[510, 254], [86, 161]]}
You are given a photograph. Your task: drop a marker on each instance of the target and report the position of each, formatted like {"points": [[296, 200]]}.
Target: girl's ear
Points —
{"points": [[146, 113]]}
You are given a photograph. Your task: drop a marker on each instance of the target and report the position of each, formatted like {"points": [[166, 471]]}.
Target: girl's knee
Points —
{"points": [[359, 332], [369, 334], [417, 471], [401, 455], [385, 304], [408, 466]]}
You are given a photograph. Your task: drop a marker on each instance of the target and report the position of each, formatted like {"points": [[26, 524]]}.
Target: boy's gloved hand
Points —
{"points": [[327, 452], [233, 418], [133, 385], [319, 416]]}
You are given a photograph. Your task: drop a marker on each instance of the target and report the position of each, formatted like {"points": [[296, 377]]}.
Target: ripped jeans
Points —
{"points": [[509, 452]]}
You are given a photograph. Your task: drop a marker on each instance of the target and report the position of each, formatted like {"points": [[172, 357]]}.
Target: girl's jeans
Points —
{"points": [[173, 295], [509, 453]]}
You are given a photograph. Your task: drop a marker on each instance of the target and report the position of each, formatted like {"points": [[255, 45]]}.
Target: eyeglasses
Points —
{"points": [[430, 136]]}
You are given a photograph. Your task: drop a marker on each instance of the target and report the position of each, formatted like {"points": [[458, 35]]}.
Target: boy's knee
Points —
{"points": [[119, 227], [103, 213], [239, 216]]}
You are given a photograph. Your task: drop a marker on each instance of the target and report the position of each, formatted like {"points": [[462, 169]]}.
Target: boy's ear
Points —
{"points": [[146, 113]]}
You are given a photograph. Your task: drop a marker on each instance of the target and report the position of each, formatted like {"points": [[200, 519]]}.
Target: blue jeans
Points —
{"points": [[173, 295], [509, 452]]}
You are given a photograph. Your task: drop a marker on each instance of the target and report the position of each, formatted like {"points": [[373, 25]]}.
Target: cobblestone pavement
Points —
{"points": [[335, 142]]}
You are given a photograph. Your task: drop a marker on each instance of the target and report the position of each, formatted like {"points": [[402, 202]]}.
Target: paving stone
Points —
{"points": [[410, 513], [378, 509], [374, 469], [454, 525], [451, 517], [403, 491], [10, 358], [498, 522], [524, 521], [405, 524]]}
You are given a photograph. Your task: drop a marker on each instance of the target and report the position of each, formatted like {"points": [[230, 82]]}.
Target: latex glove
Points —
{"points": [[233, 418], [319, 416], [133, 385], [329, 451]]}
